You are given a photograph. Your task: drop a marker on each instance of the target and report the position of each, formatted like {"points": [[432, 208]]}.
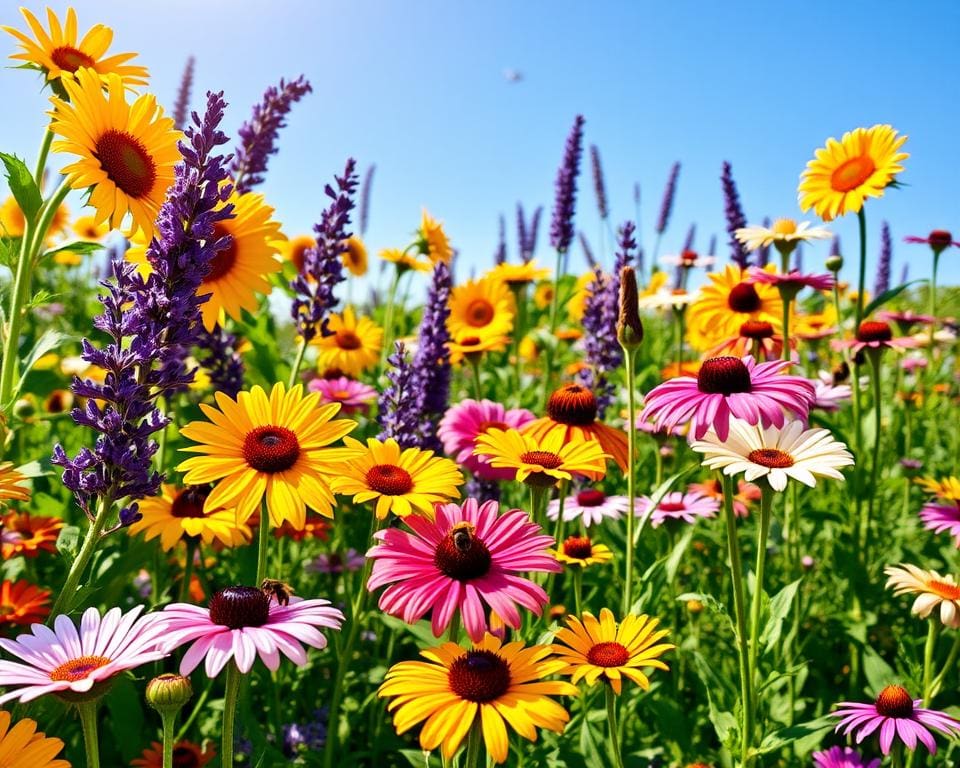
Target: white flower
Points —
{"points": [[592, 506], [782, 231], [664, 299], [775, 453], [931, 589]]}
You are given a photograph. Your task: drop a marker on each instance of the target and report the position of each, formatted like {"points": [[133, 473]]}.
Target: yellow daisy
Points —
{"points": [[294, 249], [13, 222], [11, 484], [59, 52], [492, 684], [353, 346], [593, 649], [401, 480], [405, 260], [543, 294], [519, 275], [727, 303], [127, 151], [540, 461], [471, 344], [433, 241], [845, 173], [479, 308], [355, 257], [948, 488], [581, 292], [581, 551], [87, 228], [177, 513], [23, 746], [267, 447]]}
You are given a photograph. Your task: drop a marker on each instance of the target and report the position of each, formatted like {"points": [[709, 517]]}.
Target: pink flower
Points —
{"points": [[827, 394], [895, 715], [792, 281], [747, 493], [351, 394], [688, 260], [938, 240], [463, 423], [942, 517], [904, 320], [842, 757], [244, 622], [912, 364], [678, 506], [873, 334], [591, 505], [463, 560], [725, 387], [63, 659]]}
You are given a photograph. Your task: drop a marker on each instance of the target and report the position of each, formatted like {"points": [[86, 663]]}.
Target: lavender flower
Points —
{"points": [[223, 363], [482, 490], [532, 232], [521, 232], [691, 238], [365, 198], [310, 736], [397, 406], [259, 134], [599, 186], [500, 255], [798, 258], [322, 266], [152, 324], [835, 246], [587, 250], [882, 282], [763, 252], [666, 206], [735, 217], [431, 363], [904, 274], [182, 104], [565, 200]]}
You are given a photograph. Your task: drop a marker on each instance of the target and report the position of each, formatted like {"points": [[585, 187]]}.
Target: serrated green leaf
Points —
{"points": [[22, 186]]}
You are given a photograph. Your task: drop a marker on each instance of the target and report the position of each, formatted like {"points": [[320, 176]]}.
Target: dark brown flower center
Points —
{"points": [[189, 502], [126, 161], [224, 259], [461, 555], [671, 506], [940, 238], [479, 676], [348, 340], [871, 330], [78, 669], [591, 497], [773, 458], [271, 449], [894, 701], [239, 607], [389, 479], [479, 313], [579, 547], [573, 404], [743, 297], [544, 459], [185, 757], [608, 655], [70, 59], [852, 173], [485, 426], [723, 376], [756, 329], [688, 258]]}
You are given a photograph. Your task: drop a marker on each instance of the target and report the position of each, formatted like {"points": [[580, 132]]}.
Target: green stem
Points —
{"points": [[554, 311], [474, 745], [520, 300], [862, 221], [42, 159], [88, 722], [297, 362], [68, 592], [388, 318], [168, 719], [929, 650], [558, 530], [933, 308], [615, 754], [766, 502], [474, 360], [194, 713], [263, 543], [947, 667], [539, 495], [875, 356], [229, 713], [785, 352], [578, 590], [188, 570], [629, 361], [679, 313]]}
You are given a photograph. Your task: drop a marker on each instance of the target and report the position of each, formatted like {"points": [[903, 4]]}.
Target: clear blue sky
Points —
{"points": [[418, 88]]}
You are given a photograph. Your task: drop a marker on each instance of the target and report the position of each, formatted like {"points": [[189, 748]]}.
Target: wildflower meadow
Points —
{"points": [[273, 497]]}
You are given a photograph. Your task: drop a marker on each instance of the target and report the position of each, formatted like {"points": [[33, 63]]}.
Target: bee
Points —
{"points": [[463, 536], [277, 589]]}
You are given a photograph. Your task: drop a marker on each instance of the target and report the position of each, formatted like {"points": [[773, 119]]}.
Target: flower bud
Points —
{"points": [[168, 693], [834, 263], [629, 327]]}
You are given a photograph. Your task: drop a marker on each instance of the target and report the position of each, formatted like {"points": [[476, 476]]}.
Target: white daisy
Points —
{"points": [[592, 506], [665, 299], [775, 453], [931, 589], [781, 232]]}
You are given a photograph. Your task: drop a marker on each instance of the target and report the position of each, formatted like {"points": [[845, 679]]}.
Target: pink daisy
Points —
{"points": [[792, 281], [686, 507], [904, 320], [244, 622], [353, 395], [827, 394], [729, 386], [65, 660], [466, 558], [463, 423], [894, 714], [872, 334], [591, 505], [938, 240], [843, 757], [942, 517], [913, 364], [747, 493], [688, 259]]}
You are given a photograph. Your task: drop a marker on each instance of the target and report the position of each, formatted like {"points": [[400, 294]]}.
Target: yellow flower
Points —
{"points": [[581, 292], [948, 488], [540, 461], [353, 346], [480, 308], [11, 488], [177, 513], [783, 233], [845, 173], [401, 480], [267, 447], [405, 260], [24, 747], [12, 221], [581, 551], [657, 281], [433, 240], [294, 249], [355, 257], [492, 684], [543, 294], [518, 275], [127, 151], [58, 52], [87, 228], [467, 344], [729, 301], [593, 649]]}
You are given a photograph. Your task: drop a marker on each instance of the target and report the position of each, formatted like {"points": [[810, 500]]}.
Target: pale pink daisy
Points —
{"points": [[873, 334], [827, 394], [791, 281], [592, 506], [686, 507], [688, 260], [65, 660], [244, 622], [894, 715], [913, 364], [843, 757], [353, 395], [727, 387], [905, 319], [463, 423], [466, 559], [942, 517]]}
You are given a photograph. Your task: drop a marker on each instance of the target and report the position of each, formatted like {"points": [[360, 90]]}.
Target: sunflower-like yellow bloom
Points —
{"points": [[401, 480], [433, 240], [581, 551], [480, 308], [355, 256], [541, 461], [518, 275], [405, 260], [581, 292], [272, 447], [58, 52], [352, 347], [467, 344], [844, 173], [947, 488], [87, 228], [11, 488], [126, 152], [727, 303], [294, 250], [593, 649], [177, 513], [492, 684], [13, 222], [22, 746]]}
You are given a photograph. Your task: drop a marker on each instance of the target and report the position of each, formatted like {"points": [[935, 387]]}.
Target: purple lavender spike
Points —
{"points": [[599, 187], [500, 255], [365, 191], [182, 106], [666, 205], [431, 364], [565, 201], [735, 217], [587, 250], [882, 282], [397, 406]]}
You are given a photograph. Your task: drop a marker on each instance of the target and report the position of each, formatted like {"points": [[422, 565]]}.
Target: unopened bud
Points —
{"points": [[168, 693], [834, 263], [629, 327]]}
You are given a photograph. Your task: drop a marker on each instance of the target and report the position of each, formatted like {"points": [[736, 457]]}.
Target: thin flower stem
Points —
{"points": [[474, 745], [862, 221], [947, 667], [168, 719], [520, 300], [197, 709], [933, 308], [615, 754], [453, 631], [88, 722], [554, 311], [678, 314], [578, 590], [785, 352], [297, 362], [388, 317], [42, 158], [68, 592], [263, 542], [229, 713], [875, 356], [629, 360], [763, 531], [188, 570], [929, 651], [475, 367], [558, 530]]}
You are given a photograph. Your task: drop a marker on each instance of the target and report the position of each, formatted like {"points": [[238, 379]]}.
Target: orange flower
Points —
{"points": [[23, 603], [10, 487], [21, 534], [186, 754]]}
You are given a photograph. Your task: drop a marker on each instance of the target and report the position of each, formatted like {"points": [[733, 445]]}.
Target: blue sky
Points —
{"points": [[418, 88]]}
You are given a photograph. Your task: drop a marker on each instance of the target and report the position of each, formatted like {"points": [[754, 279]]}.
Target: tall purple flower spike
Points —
{"points": [[565, 198], [735, 217]]}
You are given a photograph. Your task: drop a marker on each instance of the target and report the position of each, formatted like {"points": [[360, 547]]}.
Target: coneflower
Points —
{"points": [[763, 252], [735, 217], [431, 364], [565, 200], [365, 191], [599, 187], [182, 106], [882, 282]]}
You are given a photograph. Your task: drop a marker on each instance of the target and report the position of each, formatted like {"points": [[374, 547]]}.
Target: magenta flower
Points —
{"points": [[895, 715], [843, 757], [244, 622], [792, 281], [942, 517], [64, 660], [463, 423], [464, 560], [351, 394], [905, 320], [827, 394], [686, 507], [938, 240], [873, 334], [591, 505], [725, 387]]}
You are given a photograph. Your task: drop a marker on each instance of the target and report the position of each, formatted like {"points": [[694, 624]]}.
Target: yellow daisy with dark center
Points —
{"points": [[582, 551], [480, 307], [353, 345], [541, 461]]}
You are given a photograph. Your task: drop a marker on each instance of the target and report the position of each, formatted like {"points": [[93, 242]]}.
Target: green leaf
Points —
{"points": [[68, 542], [126, 715], [781, 738], [879, 674], [780, 605], [657, 496], [22, 186], [886, 296], [48, 342], [82, 247]]}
